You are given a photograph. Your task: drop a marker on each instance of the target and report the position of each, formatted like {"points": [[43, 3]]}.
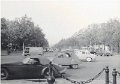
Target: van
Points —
{"points": [[31, 51]]}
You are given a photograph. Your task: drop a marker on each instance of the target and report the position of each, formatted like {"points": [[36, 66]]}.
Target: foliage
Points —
{"points": [[19, 31], [105, 33]]}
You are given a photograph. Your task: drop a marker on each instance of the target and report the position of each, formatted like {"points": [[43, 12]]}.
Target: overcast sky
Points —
{"points": [[61, 18]]}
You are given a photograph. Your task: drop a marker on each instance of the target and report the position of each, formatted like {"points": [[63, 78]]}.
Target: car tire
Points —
{"points": [[75, 66], [4, 74], [88, 59], [46, 73]]}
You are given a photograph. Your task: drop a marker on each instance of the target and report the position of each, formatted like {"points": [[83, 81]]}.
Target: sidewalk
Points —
{"points": [[63, 81], [43, 81]]}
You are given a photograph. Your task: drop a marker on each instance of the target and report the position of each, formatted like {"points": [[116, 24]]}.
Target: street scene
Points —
{"points": [[85, 71], [60, 42]]}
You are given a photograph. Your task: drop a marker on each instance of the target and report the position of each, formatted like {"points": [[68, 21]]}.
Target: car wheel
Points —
{"points": [[4, 74], [75, 66], [46, 73], [88, 59]]}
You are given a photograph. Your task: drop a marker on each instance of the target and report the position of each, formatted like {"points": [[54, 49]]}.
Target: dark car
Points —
{"points": [[31, 67]]}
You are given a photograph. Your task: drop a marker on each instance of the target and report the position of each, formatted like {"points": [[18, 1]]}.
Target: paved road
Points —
{"points": [[86, 71], [89, 69]]}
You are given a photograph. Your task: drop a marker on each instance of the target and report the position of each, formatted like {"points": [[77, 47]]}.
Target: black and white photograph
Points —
{"points": [[60, 42]]}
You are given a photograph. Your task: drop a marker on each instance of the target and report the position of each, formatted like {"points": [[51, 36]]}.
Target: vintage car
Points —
{"points": [[104, 53], [30, 67], [67, 58], [85, 55]]}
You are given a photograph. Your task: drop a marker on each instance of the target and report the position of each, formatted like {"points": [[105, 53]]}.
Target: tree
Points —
{"points": [[22, 30], [107, 33], [4, 36]]}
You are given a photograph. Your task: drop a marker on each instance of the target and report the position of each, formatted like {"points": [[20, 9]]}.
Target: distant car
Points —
{"points": [[104, 53], [29, 68], [67, 59], [92, 52], [85, 55], [108, 53]]}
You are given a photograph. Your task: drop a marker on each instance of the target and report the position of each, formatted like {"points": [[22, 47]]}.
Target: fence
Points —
{"points": [[51, 78]]}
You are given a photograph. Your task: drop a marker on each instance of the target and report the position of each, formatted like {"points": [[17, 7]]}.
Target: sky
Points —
{"points": [[60, 19]]}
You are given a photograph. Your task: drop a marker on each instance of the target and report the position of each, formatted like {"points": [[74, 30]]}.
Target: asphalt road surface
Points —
{"points": [[89, 69], [85, 71]]}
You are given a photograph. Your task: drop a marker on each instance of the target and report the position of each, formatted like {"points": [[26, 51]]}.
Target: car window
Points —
{"points": [[77, 52], [26, 50], [87, 52], [83, 52], [35, 61], [31, 61], [25, 61], [60, 56], [67, 55], [64, 55]]}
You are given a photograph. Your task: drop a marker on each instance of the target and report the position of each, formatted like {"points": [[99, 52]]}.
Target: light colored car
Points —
{"points": [[67, 59], [85, 55]]}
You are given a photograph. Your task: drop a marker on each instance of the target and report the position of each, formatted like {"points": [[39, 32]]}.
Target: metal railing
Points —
{"points": [[107, 81]]}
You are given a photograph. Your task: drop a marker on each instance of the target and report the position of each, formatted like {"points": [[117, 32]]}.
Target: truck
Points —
{"points": [[32, 51]]}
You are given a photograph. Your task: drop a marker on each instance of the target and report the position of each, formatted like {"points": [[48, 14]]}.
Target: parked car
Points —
{"points": [[104, 53], [93, 52], [30, 67], [108, 53], [85, 55], [67, 59]]}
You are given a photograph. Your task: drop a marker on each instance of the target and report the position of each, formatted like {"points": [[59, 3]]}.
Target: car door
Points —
{"points": [[84, 55], [31, 67], [19, 70], [66, 59], [33, 70], [80, 54]]}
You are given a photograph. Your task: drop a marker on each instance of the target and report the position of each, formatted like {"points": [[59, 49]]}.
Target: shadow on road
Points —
{"points": [[37, 80]]}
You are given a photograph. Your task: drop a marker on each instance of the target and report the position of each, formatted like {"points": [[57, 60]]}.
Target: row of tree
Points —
{"points": [[21, 31], [107, 33]]}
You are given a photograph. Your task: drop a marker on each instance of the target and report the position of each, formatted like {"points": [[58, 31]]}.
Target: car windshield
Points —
{"points": [[26, 60], [39, 60]]}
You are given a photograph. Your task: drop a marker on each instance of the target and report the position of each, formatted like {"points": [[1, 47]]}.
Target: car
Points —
{"points": [[85, 55], [108, 53], [67, 59], [104, 53], [30, 67]]}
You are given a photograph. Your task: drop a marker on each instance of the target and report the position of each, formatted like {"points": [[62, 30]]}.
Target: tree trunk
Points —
{"points": [[118, 46]]}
